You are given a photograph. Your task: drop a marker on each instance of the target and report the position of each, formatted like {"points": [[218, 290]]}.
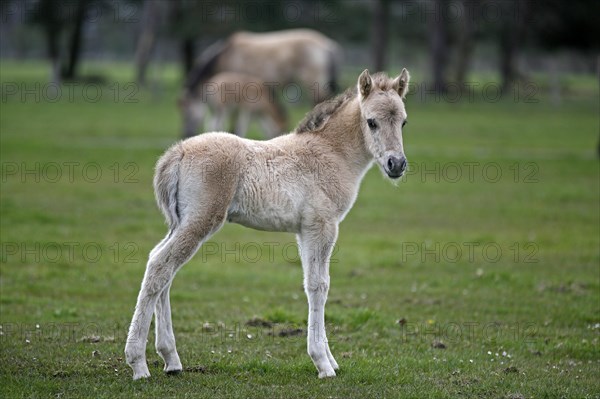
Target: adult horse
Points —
{"points": [[278, 58], [304, 182]]}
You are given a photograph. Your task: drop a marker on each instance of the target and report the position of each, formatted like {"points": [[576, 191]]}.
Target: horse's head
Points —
{"points": [[382, 118]]}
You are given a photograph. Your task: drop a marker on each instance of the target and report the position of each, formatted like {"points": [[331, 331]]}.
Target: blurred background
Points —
{"points": [[446, 43], [496, 223]]}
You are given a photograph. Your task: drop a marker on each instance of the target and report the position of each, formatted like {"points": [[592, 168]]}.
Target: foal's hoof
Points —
{"points": [[141, 375], [173, 372], [140, 370], [327, 374], [334, 364]]}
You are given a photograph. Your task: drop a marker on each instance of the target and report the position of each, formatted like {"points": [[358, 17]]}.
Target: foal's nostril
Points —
{"points": [[403, 165], [390, 163]]}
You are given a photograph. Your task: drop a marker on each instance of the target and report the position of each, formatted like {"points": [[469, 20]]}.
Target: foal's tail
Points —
{"points": [[166, 184]]}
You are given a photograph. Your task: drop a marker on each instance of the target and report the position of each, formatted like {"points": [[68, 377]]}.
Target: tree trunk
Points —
{"points": [[508, 64], [511, 35], [178, 11], [52, 36], [70, 71], [379, 33], [188, 54], [48, 17], [147, 40], [466, 39], [439, 44]]}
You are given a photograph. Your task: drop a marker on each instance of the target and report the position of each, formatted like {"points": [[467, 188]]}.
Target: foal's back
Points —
{"points": [[275, 182]]}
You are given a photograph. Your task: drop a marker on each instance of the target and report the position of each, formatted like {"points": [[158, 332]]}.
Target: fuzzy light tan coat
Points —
{"points": [[304, 182]]}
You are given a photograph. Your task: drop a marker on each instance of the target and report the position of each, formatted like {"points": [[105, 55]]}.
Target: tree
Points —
{"points": [[56, 17], [379, 32], [49, 15], [514, 21], [565, 24], [148, 36], [183, 23], [466, 38], [70, 71], [439, 44]]}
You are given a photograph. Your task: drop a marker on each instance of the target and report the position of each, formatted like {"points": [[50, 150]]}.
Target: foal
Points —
{"points": [[304, 182], [229, 94]]}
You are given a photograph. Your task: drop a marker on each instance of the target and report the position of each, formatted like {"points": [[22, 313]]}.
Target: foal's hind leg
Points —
{"points": [[159, 246], [161, 269], [165, 338], [159, 272]]}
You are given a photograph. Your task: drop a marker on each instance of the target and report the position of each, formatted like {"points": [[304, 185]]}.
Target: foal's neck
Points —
{"points": [[343, 132]]}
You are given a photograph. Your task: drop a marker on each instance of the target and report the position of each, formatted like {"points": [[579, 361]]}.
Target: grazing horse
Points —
{"points": [[229, 94], [299, 56], [304, 182]]}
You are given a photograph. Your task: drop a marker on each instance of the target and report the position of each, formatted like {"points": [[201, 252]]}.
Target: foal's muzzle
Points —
{"points": [[395, 166]]}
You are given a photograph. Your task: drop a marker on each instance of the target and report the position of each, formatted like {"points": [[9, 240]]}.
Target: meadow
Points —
{"points": [[476, 276]]}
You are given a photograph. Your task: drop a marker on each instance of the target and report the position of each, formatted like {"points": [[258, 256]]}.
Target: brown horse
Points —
{"points": [[300, 56]]}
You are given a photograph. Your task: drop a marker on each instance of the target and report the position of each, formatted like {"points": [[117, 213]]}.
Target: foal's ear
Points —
{"points": [[400, 84], [365, 83]]}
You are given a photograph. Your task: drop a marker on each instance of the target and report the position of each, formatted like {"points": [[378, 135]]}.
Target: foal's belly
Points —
{"points": [[267, 205]]}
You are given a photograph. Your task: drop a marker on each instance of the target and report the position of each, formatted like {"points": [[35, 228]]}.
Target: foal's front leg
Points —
{"points": [[316, 243]]}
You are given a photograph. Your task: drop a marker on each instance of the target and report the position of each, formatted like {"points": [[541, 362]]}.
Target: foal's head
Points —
{"points": [[382, 118]]}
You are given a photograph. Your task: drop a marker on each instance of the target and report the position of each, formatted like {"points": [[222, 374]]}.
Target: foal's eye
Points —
{"points": [[372, 124], [404, 123]]}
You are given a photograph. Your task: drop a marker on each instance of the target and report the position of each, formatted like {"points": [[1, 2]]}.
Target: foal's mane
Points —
{"points": [[320, 114]]}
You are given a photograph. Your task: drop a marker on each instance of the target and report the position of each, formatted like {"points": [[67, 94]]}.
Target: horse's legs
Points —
{"points": [[165, 338], [162, 266], [316, 242], [159, 246], [193, 117], [243, 121], [218, 119], [160, 270], [268, 126]]}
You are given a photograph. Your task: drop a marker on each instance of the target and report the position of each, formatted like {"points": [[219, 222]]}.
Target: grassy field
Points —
{"points": [[478, 276]]}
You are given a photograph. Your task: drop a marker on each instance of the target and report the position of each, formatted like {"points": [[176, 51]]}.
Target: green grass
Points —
{"points": [[520, 323]]}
